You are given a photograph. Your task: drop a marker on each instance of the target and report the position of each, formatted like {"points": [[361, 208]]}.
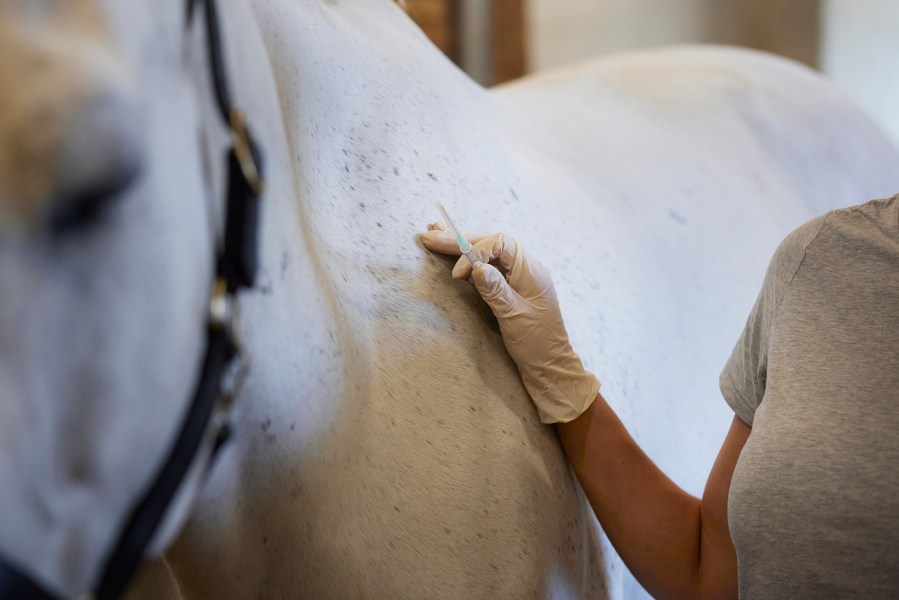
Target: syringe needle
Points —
{"points": [[464, 245]]}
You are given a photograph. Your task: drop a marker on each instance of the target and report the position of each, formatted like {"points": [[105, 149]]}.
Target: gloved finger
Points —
{"points": [[530, 277], [474, 238], [495, 290], [496, 247], [440, 240], [437, 240]]}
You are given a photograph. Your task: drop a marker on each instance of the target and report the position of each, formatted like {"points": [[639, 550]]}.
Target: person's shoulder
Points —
{"points": [[878, 208], [868, 232], [862, 230], [796, 243], [792, 249], [874, 218]]}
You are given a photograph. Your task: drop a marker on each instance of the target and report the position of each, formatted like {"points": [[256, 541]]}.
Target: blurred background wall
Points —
{"points": [[853, 42], [563, 31], [861, 54]]}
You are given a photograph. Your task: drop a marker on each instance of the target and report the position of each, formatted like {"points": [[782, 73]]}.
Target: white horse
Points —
{"points": [[385, 447]]}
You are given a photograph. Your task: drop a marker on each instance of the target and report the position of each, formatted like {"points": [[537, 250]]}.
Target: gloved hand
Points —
{"points": [[529, 318]]}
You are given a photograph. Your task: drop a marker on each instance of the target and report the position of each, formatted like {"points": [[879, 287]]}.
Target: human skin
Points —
{"points": [[676, 545]]}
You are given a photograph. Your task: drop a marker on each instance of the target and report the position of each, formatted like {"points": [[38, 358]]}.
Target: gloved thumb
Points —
{"points": [[495, 290]]}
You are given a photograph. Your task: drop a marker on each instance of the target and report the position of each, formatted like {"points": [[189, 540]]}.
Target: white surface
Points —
{"points": [[860, 53]]}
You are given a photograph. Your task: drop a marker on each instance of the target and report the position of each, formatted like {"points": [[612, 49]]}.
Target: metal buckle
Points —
{"points": [[232, 383], [224, 315], [248, 167], [220, 310]]}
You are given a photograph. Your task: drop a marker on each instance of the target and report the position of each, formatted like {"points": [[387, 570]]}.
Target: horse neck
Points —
{"points": [[371, 108]]}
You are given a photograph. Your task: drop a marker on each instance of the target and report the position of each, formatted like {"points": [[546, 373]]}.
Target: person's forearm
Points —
{"points": [[653, 524]]}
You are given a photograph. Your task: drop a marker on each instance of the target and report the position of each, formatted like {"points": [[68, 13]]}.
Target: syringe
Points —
{"points": [[464, 244]]}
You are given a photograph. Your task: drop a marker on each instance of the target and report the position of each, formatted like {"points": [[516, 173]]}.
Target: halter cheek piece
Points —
{"points": [[235, 269]]}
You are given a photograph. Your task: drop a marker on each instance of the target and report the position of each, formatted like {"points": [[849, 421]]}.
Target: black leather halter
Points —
{"points": [[235, 269]]}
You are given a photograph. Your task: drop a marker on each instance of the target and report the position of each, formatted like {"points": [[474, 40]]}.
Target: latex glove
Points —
{"points": [[529, 318]]}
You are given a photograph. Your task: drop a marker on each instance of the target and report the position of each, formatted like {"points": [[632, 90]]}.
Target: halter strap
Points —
{"points": [[125, 559], [236, 267]]}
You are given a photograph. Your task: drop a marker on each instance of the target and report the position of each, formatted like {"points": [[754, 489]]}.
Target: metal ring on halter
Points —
{"points": [[220, 305], [242, 149]]}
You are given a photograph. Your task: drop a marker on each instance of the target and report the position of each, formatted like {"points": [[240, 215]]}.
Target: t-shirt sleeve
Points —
{"points": [[745, 374]]}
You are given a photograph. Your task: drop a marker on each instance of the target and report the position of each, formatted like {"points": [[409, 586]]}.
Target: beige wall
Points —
{"points": [[854, 42], [562, 31]]}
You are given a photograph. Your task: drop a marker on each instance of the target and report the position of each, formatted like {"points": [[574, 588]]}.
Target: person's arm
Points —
{"points": [[676, 545]]}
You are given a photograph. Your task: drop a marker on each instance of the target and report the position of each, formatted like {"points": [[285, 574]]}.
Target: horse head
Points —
{"points": [[107, 250]]}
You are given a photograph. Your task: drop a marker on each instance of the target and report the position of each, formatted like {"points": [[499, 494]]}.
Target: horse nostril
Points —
{"points": [[101, 156]]}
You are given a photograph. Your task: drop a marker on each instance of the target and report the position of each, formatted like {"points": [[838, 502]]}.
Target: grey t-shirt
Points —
{"points": [[814, 502]]}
